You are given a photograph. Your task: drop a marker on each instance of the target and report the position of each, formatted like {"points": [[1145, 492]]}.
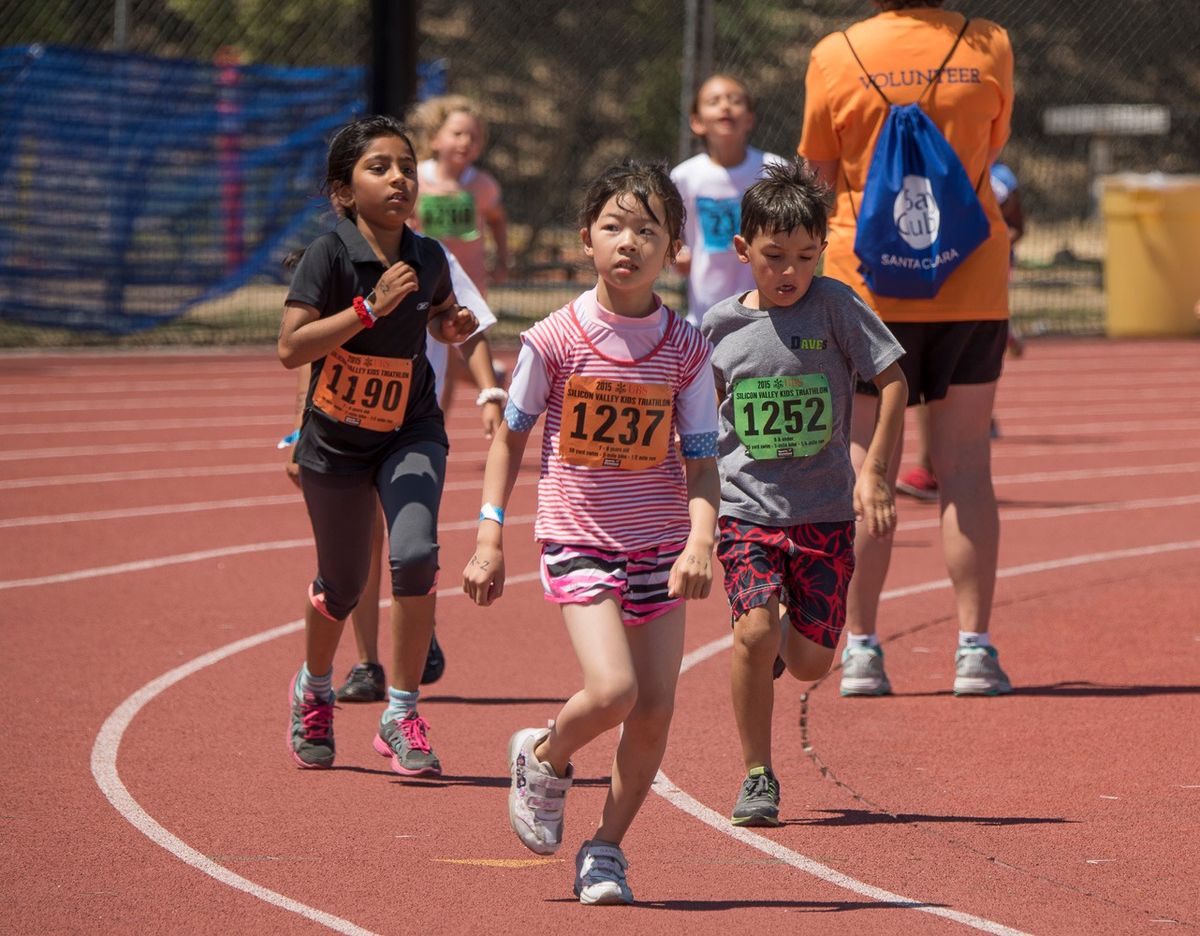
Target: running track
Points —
{"points": [[153, 561]]}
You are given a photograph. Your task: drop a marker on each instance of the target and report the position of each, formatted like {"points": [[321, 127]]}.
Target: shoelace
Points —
{"points": [[761, 785], [362, 674], [317, 717], [415, 731]]}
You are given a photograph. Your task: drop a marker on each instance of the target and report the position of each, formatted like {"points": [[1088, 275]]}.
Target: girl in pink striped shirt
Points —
{"points": [[625, 517]]}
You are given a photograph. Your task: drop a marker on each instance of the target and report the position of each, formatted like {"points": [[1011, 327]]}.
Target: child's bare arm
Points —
{"points": [[478, 355], [303, 375], [873, 500], [450, 322], [483, 578], [691, 575], [497, 224]]}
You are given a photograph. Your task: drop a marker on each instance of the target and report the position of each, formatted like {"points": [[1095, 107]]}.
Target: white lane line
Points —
{"points": [[471, 434], [39, 390], [162, 474], [285, 418], [685, 803], [665, 788], [282, 418], [1022, 394], [108, 743], [454, 526], [104, 770], [150, 474], [161, 510], [201, 402], [203, 555], [1037, 477], [1013, 448], [134, 448], [1006, 514], [126, 513]]}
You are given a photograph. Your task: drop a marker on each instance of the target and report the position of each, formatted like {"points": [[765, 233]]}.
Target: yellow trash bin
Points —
{"points": [[1152, 254]]}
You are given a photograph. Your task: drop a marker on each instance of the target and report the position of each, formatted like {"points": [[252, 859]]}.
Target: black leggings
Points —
{"points": [[342, 510]]}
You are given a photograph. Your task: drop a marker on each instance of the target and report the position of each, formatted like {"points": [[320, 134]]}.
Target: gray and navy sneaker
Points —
{"points": [[536, 794], [758, 802], [435, 662], [862, 672], [365, 682], [600, 875], [310, 731], [977, 672], [406, 742]]}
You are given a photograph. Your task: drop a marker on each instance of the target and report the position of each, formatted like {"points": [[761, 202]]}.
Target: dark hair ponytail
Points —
{"points": [[345, 150]]}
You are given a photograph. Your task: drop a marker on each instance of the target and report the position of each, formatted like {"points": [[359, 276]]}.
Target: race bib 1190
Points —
{"points": [[783, 417], [364, 390]]}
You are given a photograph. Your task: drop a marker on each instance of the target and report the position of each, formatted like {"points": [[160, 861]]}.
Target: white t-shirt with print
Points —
{"points": [[712, 195]]}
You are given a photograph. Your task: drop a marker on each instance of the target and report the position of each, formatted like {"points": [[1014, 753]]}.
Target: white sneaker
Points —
{"points": [[862, 672], [977, 672], [537, 795], [600, 875]]}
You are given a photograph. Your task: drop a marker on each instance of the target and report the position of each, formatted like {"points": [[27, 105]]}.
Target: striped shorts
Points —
{"points": [[581, 574]]}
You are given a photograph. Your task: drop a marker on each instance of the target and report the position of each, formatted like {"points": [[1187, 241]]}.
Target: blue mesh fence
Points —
{"points": [[132, 188]]}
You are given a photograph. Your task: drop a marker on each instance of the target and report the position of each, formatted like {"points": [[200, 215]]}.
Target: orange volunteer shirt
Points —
{"points": [[971, 105]]}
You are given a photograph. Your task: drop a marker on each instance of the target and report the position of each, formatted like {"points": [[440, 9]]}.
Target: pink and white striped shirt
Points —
{"points": [[607, 507]]}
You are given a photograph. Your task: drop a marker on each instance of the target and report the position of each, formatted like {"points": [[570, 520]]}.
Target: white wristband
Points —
{"points": [[491, 395], [492, 512]]}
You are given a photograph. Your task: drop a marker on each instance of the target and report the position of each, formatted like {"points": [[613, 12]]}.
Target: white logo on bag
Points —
{"points": [[916, 213]]}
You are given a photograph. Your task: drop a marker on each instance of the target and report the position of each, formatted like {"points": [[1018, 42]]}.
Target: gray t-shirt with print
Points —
{"points": [[787, 379]]}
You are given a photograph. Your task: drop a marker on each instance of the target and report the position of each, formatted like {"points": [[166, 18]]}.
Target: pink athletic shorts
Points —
{"points": [[581, 574]]}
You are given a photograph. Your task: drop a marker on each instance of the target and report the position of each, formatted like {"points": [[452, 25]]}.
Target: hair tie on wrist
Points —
{"points": [[365, 313], [491, 395]]}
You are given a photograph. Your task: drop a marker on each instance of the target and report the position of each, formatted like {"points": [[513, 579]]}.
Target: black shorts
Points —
{"points": [[938, 355]]}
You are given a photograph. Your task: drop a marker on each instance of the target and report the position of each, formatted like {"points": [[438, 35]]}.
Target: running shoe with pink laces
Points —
{"points": [[920, 483], [406, 742], [310, 730]]}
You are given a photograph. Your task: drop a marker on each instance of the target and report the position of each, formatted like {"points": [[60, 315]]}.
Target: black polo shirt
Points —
{"points": [[335, 268]]}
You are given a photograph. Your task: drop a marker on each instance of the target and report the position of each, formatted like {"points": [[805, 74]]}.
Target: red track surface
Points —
{"points": [[145, 522]]}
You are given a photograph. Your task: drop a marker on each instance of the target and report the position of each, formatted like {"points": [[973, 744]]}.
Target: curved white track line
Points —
{"points": [[693, 807], [104, 769], [108, 742]]}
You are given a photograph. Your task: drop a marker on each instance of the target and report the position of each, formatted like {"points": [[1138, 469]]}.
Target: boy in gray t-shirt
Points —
{"points": [[786, 357]]}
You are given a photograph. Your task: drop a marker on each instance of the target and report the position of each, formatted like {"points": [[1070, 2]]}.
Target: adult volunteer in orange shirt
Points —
{"points": [[954, 342]]}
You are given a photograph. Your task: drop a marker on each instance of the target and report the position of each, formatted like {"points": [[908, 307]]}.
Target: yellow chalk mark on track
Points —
{"points": [[501, 862]]}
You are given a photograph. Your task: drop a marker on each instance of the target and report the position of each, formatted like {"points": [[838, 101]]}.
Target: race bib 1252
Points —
{"points": [[783, 417]]}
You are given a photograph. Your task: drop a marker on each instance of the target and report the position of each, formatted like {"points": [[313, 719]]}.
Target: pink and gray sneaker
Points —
{"points": [[406, 742], [310, 731]]}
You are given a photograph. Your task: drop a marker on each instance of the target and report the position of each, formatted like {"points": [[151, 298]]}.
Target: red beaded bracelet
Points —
{"points": [[365, 315]]}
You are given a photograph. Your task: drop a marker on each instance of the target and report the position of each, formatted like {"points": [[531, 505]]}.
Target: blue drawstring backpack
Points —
{"points": [[920, 215]]}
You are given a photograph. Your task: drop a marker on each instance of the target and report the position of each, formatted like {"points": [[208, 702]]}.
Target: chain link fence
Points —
{"points": [[567, 88]]}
